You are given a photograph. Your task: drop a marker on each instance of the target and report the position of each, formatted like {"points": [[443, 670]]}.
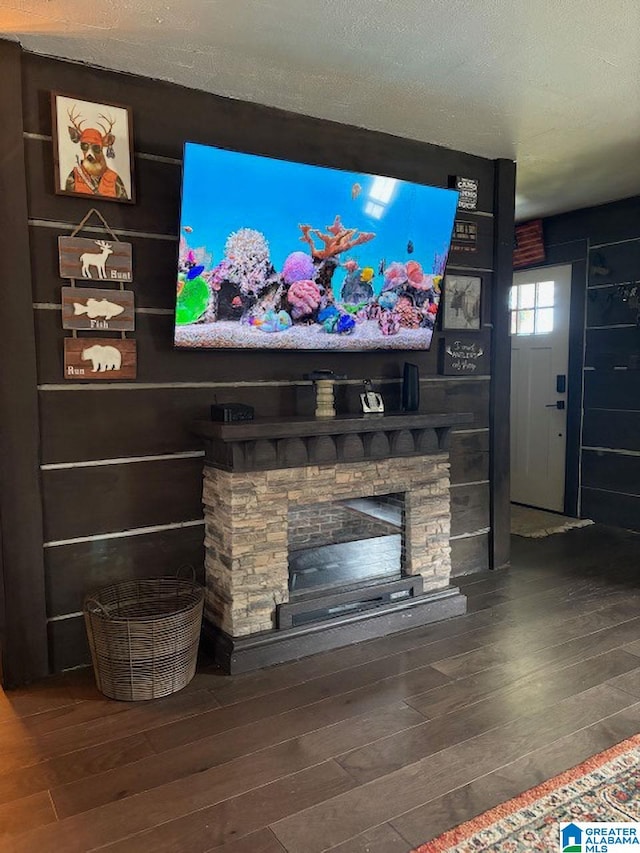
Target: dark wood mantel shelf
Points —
{"points": [[270, 443]]}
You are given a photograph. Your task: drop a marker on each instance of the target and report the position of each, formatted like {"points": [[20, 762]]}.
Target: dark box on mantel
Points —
{"points": [[231, 412]]}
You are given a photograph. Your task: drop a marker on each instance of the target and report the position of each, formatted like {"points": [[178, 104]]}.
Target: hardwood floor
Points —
{"points": [[377, 747]]}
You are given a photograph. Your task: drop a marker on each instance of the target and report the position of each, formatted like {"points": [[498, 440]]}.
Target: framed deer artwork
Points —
{"points": [[92, 149], [461, 302]]}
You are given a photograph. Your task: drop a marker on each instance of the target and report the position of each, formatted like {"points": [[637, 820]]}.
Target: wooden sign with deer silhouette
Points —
{"points": [[92, 149], [96, 310], [95, 260]]}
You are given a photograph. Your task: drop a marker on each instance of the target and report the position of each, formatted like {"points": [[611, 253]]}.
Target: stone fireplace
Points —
{"points": [[273, 487]]}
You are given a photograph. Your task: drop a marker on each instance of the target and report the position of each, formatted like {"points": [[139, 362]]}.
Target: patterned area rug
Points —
{"points": [[536, 523], [603, 788]]}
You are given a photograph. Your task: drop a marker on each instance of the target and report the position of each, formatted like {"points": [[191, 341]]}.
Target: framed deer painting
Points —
{"points": [[92, 149], [461, 302]]}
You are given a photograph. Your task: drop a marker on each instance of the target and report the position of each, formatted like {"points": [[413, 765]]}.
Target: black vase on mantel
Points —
{"points": [[410, 388]]}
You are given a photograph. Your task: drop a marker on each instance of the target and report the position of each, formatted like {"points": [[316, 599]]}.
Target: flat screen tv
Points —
{"points": [[281, 255]]}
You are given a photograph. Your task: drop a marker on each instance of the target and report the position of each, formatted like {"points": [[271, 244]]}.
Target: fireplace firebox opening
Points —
{"points": [[345, 557], [345, 543]]}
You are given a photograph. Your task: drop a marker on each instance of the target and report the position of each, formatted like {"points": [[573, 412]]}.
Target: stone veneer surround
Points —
{"points": [[246, 537]]}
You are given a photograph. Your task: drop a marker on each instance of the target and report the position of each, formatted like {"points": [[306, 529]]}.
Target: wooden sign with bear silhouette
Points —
{"points": [[99, 359], [95, 260], [97, 310]]}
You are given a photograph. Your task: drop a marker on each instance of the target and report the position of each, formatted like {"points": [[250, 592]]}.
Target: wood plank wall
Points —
{"points": [[121, 472], [603, 244], [22, 598]]}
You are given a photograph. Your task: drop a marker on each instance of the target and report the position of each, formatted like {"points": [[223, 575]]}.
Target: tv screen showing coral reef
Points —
{"points": [[282, 255]]}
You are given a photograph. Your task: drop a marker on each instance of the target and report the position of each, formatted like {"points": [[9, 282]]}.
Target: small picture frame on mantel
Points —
{"points": [[462, 303]]}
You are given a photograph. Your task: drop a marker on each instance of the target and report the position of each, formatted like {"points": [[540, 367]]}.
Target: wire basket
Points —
{"points": [[144, 636]]}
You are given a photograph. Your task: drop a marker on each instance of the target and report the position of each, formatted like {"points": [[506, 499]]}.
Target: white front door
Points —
{"points": [[539, 306]]}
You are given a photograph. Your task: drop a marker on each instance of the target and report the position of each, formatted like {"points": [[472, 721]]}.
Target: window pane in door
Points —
{"points": [[514, 323], [513, 298], [526, 296], [545, 294], [544, 321], [526, 322]]}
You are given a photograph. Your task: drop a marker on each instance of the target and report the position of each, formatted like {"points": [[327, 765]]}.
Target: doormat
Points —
{"points": [[605, 788], [535, 523]]}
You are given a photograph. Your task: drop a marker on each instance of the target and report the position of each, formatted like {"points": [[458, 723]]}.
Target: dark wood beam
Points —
{"points": [[574, 386], [23, 624], [504, 201]]}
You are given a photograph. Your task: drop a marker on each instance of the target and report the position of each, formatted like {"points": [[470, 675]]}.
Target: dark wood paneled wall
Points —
{"points": [[120, 469], [23, 620], [603, 244]]}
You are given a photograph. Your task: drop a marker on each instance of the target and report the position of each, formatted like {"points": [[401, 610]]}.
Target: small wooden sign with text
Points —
{"points": [[94, 309], [464, 356], [468, 189], [99, 359], [100, 260], [465, 236]]}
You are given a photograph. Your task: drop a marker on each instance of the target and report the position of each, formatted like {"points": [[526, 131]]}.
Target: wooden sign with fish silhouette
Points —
{"points": [[90, 308], [97, 260], [99, 359]]}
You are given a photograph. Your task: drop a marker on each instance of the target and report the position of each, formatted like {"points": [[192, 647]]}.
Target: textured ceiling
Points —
{"points": [[553, 84]]}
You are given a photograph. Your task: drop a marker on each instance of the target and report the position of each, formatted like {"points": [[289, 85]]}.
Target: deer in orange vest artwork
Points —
{"points": [[91, 175]]}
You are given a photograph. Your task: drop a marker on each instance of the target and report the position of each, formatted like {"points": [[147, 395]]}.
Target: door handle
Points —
{"points": [[559, 404]]}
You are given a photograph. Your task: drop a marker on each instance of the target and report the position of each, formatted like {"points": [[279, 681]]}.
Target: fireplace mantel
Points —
{"points": [[274, 443]]}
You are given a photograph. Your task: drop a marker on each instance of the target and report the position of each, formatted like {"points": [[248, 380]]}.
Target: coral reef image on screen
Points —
{"points": [[290, 256]]}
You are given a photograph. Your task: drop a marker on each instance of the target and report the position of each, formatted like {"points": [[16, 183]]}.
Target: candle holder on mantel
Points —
{"points": [[324, 380]]}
